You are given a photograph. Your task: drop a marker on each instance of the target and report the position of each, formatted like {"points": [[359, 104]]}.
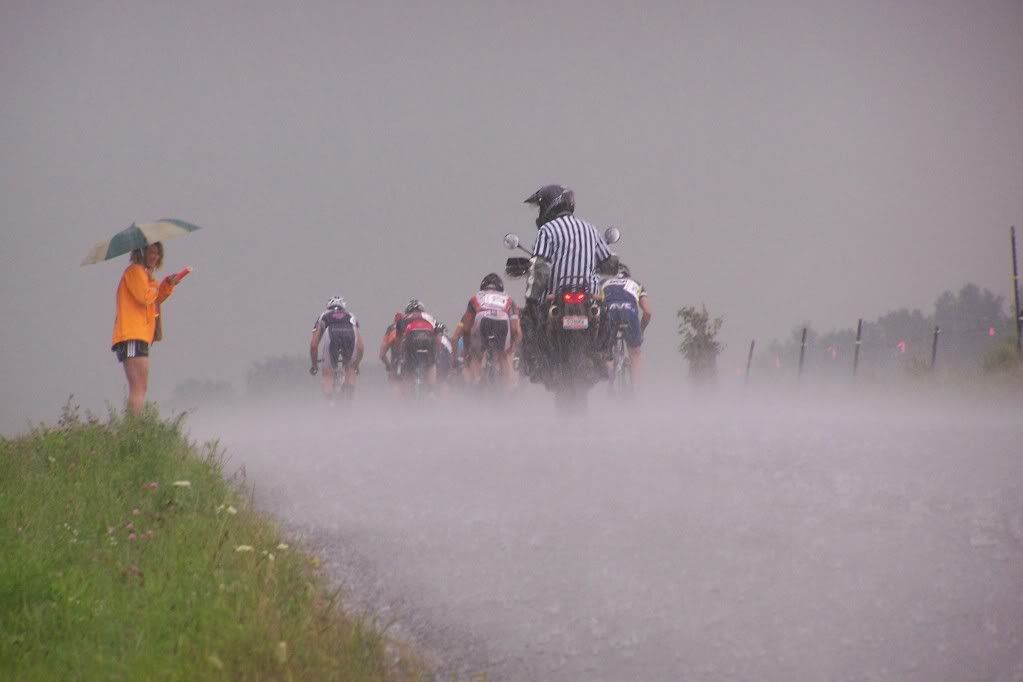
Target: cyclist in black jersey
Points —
{"points": [[337, 331]]}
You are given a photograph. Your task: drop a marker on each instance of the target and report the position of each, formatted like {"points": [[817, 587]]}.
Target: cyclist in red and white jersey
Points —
{"points": [[491, 322], [418, 342]]}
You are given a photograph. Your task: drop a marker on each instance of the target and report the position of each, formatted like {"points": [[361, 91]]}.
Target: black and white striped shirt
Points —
{"points": [[573, 247]]}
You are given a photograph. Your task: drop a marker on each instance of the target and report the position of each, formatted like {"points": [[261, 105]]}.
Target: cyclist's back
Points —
{"points": [[339, 330]]}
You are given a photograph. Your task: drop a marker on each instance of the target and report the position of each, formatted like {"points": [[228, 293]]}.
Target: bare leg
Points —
{"points": [[475, 368], [507, 370], [635, 366], [137, 372], [328, 380], [352, 371]]}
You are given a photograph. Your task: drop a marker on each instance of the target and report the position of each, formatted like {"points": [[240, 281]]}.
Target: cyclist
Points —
{"points": [[491, 322], [389, 349], [342, 346], [417, 341], [626, 303]]}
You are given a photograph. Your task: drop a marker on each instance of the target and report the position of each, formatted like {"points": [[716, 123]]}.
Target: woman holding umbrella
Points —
{"points": [[138, 308], [137, 323]]}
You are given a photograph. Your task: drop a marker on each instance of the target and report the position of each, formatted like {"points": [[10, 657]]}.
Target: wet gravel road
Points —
{"points": [[751, 540]]}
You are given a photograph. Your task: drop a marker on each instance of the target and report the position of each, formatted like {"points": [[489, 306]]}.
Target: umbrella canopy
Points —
{"points": [[138, 236]]}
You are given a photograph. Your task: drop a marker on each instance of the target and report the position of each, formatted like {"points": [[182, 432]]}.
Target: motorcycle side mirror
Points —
{"points": [[611, 235], [511, 241]]}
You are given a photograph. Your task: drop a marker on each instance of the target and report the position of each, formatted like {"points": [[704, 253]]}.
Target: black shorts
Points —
{"points": [[489, 334], [341, 346], [130, 349], [419, 347]]}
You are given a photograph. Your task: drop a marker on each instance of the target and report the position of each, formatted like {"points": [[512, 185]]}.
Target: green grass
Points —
{"points": [[105, 576]]}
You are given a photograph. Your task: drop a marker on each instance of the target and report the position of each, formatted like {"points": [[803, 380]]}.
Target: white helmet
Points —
{"points": [[336, 302]]}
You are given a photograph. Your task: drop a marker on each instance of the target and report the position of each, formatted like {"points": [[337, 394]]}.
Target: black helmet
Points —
{"points": [[414, 305], [623, 271], [492, 281], [553, 201]]}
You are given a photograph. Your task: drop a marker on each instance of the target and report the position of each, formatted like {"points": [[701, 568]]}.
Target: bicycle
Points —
{"points": [[339, 381], [620, 378], [488, 365]]}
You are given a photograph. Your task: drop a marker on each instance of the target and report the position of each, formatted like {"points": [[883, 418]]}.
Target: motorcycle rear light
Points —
{"points": [[574, 297]]}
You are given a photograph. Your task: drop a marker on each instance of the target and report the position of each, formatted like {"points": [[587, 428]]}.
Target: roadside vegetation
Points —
{"points": [[124, 554]]}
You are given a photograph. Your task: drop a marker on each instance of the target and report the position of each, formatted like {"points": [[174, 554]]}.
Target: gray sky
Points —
{"points": [[779, 161]]}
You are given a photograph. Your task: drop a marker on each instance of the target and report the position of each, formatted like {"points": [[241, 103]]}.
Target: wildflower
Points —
{"points": [[52, 460], [110, 530], [182, 484], [281, 652], [282, 546], [243, 548], [153, 485], [150, 534], [19, 529], [231, 510], [270, 556], [215, 661], [131, 537], [135, 512], [220, 508], [130, 526]]}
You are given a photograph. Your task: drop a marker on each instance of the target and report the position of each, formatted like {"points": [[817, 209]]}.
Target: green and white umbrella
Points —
{"points": [[138, 236]]}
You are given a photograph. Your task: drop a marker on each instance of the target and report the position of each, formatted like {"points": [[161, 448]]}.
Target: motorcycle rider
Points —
{"points": [[491, 313], [624, 300], [575, 251], [417, 339], [342, 347]]}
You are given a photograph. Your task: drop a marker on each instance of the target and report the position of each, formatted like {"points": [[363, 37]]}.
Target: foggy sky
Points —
{"points": [[780, 162]]}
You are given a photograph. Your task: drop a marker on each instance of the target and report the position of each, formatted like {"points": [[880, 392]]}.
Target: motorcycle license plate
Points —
{"points": [[575, 322]]}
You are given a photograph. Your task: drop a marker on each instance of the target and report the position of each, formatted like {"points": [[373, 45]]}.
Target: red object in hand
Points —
{"points": [[181, 275]]}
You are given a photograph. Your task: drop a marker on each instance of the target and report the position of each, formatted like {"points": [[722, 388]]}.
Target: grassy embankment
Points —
{"points": [[124, 554]]}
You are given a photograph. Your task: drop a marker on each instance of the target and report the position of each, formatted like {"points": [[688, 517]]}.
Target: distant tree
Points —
{"points": [[278, 373], [192, 392], [699, 344], [972, 323]]}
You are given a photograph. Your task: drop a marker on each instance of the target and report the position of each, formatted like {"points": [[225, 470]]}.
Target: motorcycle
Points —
{"points": [[565, 328]]}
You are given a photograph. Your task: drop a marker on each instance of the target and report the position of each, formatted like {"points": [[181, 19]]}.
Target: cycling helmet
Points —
{"points": [[414, 304], [553, 201], [336, 302], [492, 281], [623, 271]]}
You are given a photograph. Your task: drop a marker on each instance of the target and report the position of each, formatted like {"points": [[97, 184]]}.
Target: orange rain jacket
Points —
{"points": [[138, 298]]}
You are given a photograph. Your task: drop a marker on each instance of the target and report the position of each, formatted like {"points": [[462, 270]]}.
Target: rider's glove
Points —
{"points": [[313, 370]]}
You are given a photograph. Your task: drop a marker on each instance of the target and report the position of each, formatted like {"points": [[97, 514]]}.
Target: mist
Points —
{"points": [[814, 535], [785, 164]]}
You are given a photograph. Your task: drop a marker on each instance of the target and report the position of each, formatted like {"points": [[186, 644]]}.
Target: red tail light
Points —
{"points": [[574, 297]]}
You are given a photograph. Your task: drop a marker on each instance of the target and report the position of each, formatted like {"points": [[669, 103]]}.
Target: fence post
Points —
{"points": [[749, 360], [1015, 294], [802, 353], [934, 346], [856, 352]]}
